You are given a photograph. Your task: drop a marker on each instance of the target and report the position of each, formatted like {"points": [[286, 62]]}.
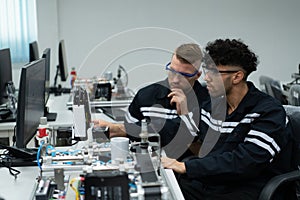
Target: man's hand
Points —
{"points": [[99, 122], [115, 129], [173, 164], [178, 97]]}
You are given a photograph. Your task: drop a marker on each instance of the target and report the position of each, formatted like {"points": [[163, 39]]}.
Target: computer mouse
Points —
{"points": [[5, 113]]}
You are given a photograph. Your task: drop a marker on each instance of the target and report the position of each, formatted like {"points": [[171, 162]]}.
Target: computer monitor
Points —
{"points": [[47, 56], [62, 61], [33, 51], [5, 74], [31, 101], [61, 70]]}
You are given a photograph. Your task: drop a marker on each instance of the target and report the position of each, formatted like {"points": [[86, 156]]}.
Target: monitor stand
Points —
{"points": [[50, 116], [57, 91]]}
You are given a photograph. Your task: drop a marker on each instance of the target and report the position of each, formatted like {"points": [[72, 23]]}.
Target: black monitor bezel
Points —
{"points": [[26, 108], [33, 51], [47, 56], [5, 73], [62, 61]]}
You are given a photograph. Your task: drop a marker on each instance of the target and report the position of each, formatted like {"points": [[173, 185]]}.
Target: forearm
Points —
{"points": [[173, 164], [115, 129]]}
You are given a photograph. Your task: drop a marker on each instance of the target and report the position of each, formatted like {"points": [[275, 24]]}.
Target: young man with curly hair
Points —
{"points": [[251, 136]]}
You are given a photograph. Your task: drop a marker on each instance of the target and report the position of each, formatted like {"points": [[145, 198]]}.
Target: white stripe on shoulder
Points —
{"points": [[208, 122], [130, 119], [253, 115], [265, 137], [159, 115], [207, 114], [247, 120], [158, 109], [190, 115], [188, 124], [230, 124], [261, 144], [226, 130]]}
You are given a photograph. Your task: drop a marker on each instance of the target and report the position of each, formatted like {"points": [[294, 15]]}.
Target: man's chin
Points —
{"points": [[215, 94]]}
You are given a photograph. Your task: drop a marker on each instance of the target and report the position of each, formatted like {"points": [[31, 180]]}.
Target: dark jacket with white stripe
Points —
{"points": [[246, 154], [152, 103]]}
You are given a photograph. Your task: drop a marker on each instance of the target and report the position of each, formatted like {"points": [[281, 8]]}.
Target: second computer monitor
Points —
{"points": [[33, 51], [62, 61], [31, 101], [5, 74]]}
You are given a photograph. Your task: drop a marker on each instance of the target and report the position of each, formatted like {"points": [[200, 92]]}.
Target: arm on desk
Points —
{"points": [[173, 164], [115, 129]]}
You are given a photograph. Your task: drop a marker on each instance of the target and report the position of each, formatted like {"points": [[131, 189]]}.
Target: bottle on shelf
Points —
{"points": [[73, 76], [43, 131]]}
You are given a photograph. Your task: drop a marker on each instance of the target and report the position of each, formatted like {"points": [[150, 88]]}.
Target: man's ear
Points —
{"points": [[198, 74], [238, 77]]}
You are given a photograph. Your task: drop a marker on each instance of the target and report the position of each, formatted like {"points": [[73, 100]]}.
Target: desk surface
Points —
{"points": [[20, 188]]}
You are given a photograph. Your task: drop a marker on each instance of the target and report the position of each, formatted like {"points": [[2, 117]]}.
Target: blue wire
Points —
{"points": [[39, 154], [50, 147]]}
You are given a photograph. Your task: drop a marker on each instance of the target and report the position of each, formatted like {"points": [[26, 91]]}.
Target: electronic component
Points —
{"points": [[81, 113], [106, 185], [59, 178], [103, 91], [64, 136], [45, 189]]}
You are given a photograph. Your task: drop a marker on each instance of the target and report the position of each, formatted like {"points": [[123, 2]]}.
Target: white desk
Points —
{"points": [[20, 188], [57, 104]]}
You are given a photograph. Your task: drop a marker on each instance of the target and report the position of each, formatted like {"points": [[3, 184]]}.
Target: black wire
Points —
{"points": [[7, 164], [6, 161]]}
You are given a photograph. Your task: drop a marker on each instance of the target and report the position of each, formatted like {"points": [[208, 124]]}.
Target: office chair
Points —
{"points": [[265, 84], [278, 93], [287, 184], [273, 88], [294, 95]]}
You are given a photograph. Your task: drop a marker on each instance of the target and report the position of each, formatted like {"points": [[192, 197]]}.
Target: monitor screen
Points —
{"points": [[62, 61], [33, 51], [47, 56], [5, 73], [31, 101]]}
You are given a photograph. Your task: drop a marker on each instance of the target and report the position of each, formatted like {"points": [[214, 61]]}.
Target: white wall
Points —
{"points": [[99, 35]]}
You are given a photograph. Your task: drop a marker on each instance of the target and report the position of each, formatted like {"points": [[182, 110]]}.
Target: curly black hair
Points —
{"points": [[231, 52]]}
